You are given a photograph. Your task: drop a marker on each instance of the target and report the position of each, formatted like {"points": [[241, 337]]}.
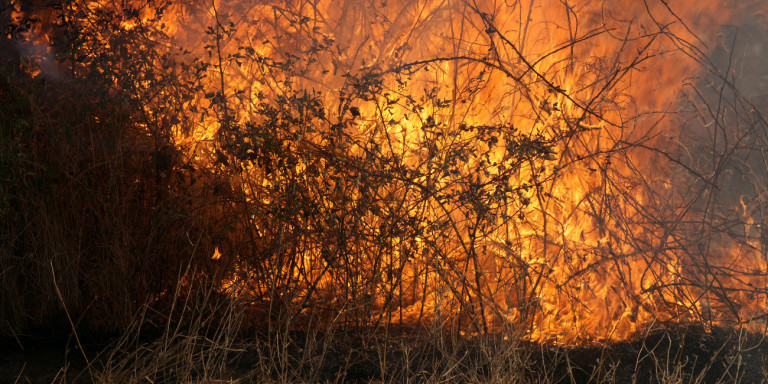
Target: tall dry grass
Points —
{"points": [[90, 197]]}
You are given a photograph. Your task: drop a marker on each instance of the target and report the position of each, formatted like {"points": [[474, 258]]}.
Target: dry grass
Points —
{"points": [[414, 357], [195, 345]]}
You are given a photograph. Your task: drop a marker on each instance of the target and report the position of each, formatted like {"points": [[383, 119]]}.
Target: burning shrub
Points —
{"points": [[467, 169]]}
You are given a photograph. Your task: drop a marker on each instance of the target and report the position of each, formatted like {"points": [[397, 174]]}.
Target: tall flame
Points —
{"points": [[541, 141]]}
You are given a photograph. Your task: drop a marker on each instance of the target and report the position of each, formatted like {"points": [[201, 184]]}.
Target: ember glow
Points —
{"points": [[537, 166]]}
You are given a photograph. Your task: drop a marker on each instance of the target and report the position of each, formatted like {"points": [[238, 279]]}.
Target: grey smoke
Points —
{"points": [[39, 54]]}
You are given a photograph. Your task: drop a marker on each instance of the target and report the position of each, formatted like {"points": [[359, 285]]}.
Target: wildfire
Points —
{"points": [[504, 163]]}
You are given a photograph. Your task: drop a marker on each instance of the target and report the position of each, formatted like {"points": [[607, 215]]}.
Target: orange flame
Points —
{"points": [[595, 237]]}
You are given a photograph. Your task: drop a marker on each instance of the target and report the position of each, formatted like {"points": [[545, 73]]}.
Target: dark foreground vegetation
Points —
{"points": [[664, 355], [111, 227]]}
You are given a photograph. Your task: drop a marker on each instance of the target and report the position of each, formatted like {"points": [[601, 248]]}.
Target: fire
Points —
{"points": [[508, 163]]}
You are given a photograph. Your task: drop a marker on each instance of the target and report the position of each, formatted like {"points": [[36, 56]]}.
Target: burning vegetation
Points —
{"points": [[569, 173]]}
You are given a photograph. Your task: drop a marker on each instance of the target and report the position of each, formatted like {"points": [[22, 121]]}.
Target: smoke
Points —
{"points": [[24, 39], [724, 136], [38, 56]]}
